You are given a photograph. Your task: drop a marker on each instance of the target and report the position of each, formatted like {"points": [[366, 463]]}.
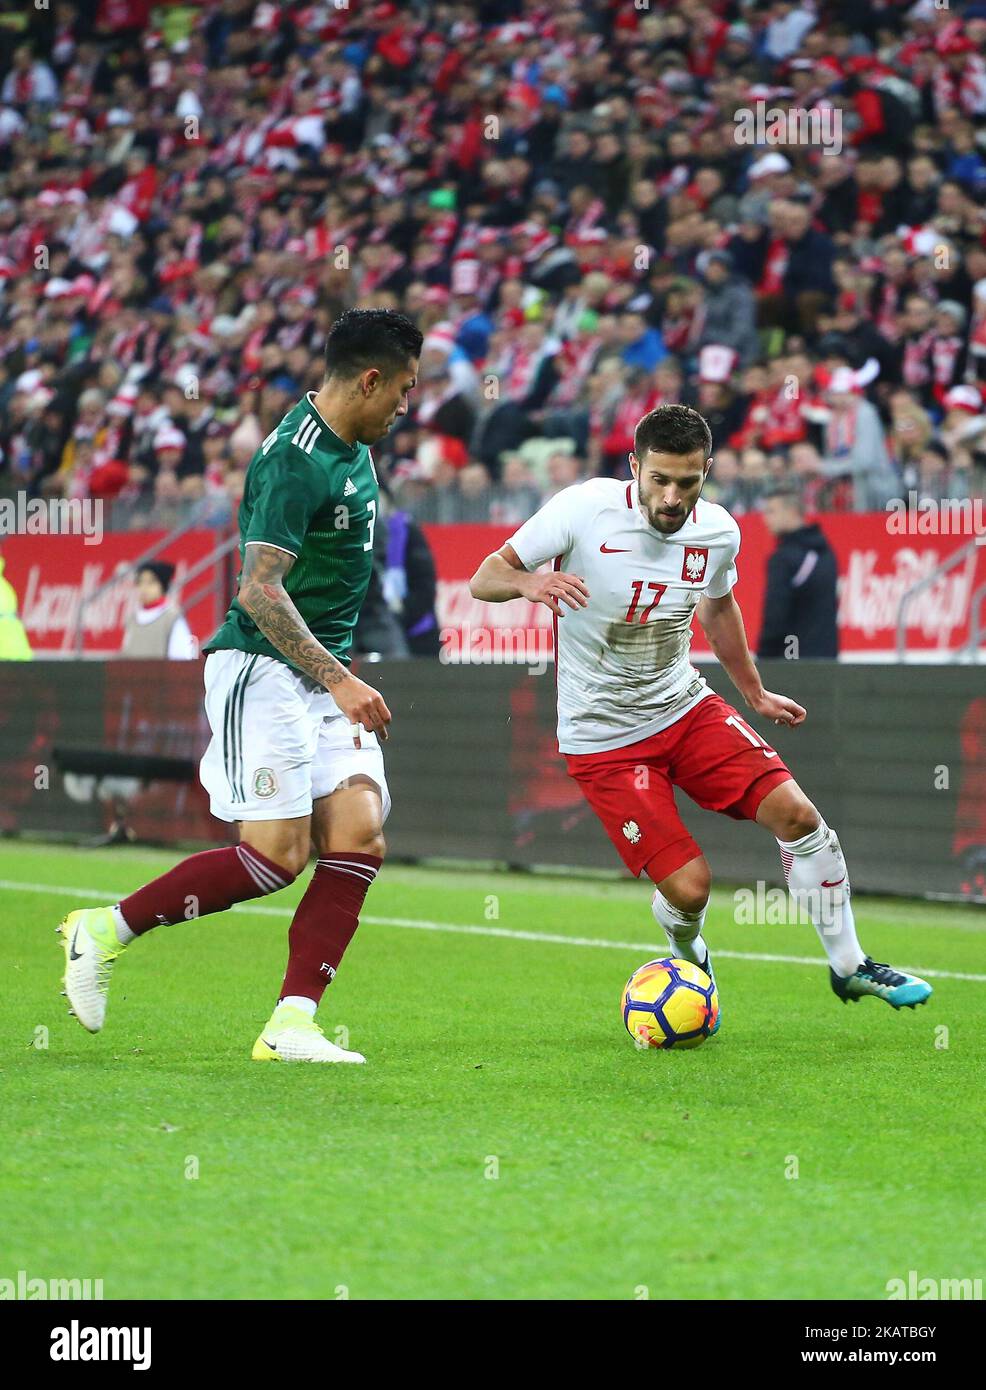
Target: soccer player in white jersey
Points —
{"points": [[633, 563]]}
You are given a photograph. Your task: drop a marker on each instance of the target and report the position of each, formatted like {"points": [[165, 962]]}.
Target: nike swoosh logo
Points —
{"points": [[272, 1046], [835, 884], [605, 550], [73, 954]]}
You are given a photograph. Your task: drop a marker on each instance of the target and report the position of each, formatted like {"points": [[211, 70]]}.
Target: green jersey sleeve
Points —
{"points": [[286, 491]]}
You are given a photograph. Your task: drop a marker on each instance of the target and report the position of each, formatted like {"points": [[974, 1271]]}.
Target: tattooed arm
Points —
{"points": [[263, 596]]}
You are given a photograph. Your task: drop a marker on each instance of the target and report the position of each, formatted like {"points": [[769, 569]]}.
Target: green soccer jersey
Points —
{"points": [[309, 493]]}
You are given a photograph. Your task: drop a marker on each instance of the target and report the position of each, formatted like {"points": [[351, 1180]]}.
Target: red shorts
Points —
{"points": [[722, 765]]}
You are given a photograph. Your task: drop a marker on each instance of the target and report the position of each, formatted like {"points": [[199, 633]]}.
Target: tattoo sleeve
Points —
{"points": [[263, 596]]}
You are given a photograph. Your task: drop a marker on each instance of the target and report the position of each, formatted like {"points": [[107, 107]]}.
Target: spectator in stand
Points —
{"points": [[636, 399], [799, 615], [752, 481], [807, 276], [515, 497], [730, 310], [723, 406], [807, 473], [398, 617], [964, 423], [722, 483], [475, 493], [911, 429], [156, 628], [948, 352], [563, 470], [855, 445], [917, 336], [939, 475], [643, 345]]}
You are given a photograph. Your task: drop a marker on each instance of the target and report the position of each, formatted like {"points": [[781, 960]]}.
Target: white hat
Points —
{"points": [[122, 221], [186, 375], [768, 164], [439, 338], [169, 437], [843, 382], [964, 398], [58, 287], [123, 402]]}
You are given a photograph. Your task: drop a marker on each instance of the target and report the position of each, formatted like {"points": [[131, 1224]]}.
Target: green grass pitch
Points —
{"points": [[506, 1139]]}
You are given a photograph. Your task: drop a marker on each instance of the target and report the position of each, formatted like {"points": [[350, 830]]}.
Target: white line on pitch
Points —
{"points": [[461, 929]]}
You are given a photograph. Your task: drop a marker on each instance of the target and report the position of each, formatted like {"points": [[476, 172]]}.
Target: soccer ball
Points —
{"points": [[669, 1003]]}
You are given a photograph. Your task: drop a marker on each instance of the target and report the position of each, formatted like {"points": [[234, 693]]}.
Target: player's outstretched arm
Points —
{"points": [[722, 623], [502, 577], [262, 594]]}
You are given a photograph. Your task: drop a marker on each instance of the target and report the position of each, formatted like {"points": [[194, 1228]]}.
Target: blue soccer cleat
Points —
{"points": [[899, 990]]}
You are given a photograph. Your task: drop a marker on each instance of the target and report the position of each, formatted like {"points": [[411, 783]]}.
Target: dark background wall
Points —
{"points": [[893, 756]]}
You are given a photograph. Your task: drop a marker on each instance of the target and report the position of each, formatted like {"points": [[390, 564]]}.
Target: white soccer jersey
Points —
{"points": [[622, 661]]}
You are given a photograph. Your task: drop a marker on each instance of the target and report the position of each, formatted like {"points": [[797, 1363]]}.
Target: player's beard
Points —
{"points": [[667, 525]]}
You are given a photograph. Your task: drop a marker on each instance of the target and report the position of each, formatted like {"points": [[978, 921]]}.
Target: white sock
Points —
{"points": [[683, 929], [818, 880], [123, 933], [300, 1002]]}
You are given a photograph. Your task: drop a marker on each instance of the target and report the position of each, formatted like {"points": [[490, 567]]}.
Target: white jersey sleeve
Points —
{"points": [[549, 532], [725, 576]]}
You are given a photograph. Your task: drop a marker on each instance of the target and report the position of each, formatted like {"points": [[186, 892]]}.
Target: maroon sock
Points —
{"points": [[209, 882], [325, 921]]}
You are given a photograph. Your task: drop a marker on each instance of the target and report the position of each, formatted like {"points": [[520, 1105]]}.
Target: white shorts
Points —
{"points": [[278, 741]]}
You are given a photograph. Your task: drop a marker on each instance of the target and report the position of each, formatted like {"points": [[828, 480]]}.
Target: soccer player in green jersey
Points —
{"points": [[294, 757]]}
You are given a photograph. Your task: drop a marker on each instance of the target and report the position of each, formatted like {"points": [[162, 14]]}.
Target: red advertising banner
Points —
{"points": [[876, 568], [54, 576]]}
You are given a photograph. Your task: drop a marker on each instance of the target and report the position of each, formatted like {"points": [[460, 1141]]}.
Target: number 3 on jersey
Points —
{"points": [[638, 587], [371, 508]]}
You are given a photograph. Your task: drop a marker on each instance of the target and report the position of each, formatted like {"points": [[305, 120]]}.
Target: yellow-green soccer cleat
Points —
{"points": [[291, 1036], [91, 946]]}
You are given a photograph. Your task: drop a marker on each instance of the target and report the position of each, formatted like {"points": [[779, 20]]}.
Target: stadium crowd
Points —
{"points": [[555, 192]]}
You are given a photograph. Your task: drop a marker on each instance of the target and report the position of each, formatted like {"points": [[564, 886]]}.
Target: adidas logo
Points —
{"points": [[349, 489]]}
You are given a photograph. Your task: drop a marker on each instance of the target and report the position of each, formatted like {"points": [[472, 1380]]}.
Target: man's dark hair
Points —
{"points": [[162, 571], [672, 429], [362, 338], [787, 491]]}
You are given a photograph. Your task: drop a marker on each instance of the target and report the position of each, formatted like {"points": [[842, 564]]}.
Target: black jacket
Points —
{"points": [[800, 600], [809, 266]]}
